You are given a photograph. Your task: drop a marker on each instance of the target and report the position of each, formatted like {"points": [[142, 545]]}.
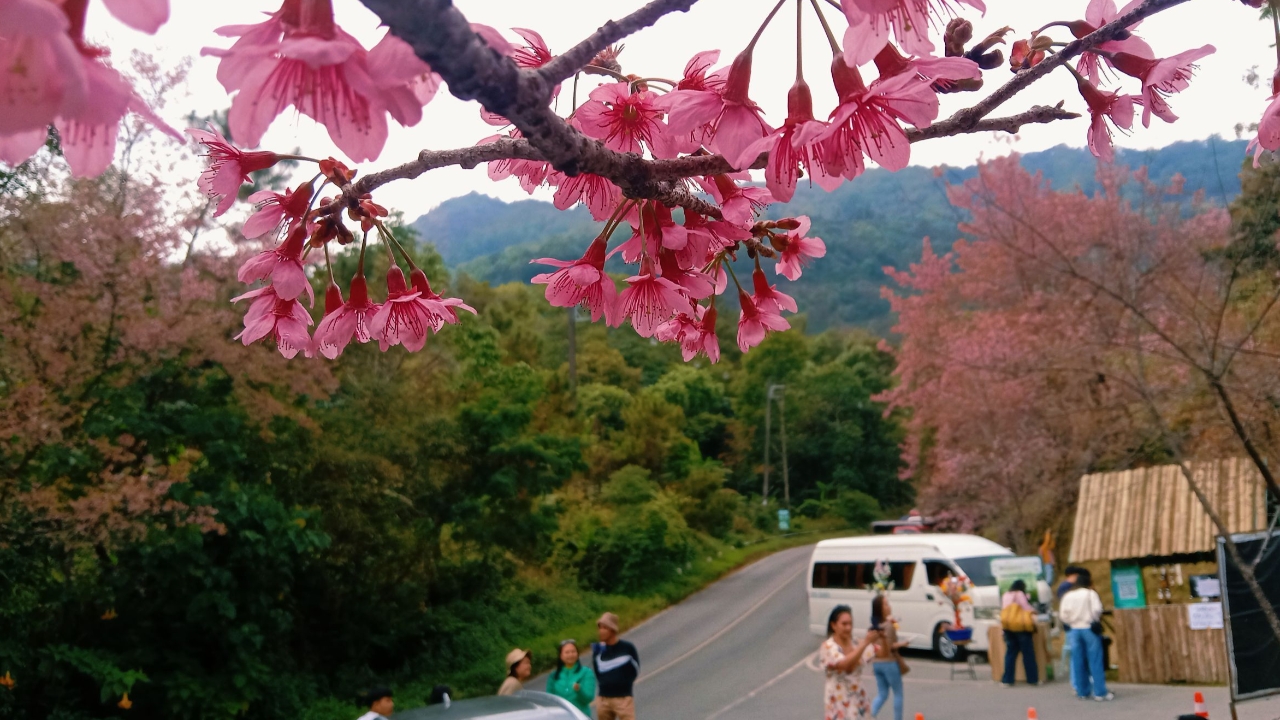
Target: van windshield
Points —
{"points": [[978, 568]]}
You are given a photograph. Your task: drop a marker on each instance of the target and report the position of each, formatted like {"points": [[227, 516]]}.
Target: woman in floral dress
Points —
{"points": [[842, 659]]}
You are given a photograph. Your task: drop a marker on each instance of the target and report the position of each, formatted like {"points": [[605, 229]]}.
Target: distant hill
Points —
{"points": [[880, 219]]}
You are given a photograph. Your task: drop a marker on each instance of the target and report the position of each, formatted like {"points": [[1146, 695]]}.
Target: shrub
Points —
{"points": [[857, 508]]}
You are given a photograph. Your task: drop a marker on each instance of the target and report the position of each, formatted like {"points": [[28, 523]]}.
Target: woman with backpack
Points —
{"points": [[1018, 620]]}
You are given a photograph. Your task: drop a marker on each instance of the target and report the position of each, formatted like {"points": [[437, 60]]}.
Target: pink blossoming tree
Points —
{"points": [[669, 158]]}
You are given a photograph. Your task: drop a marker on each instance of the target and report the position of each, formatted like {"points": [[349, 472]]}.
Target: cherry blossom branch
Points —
{"points": [[1011, 124], [1113, 30], [564, 66], [441, 36]]}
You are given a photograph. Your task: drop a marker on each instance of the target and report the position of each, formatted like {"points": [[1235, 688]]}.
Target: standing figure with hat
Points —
{"points": [[519, 668], [617, 664]]}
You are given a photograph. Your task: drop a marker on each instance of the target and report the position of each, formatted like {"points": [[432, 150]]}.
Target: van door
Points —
{"points": [[940, 610]]}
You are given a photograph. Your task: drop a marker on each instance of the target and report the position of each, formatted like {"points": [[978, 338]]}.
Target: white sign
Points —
{"points": [[1205, 616], [1017, 566]]}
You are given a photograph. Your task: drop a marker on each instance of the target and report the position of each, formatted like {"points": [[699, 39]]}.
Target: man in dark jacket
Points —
{"points": [[617, 664]]}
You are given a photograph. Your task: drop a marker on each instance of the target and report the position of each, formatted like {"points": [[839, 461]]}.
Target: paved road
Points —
{"points": [[741, 650]]}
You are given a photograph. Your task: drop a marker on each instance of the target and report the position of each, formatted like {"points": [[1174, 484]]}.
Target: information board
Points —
{"points": [[1127, 590], [1204, 616]]}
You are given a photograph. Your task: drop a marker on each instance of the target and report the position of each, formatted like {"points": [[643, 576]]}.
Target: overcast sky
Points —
{"points": [[1217, 99]]}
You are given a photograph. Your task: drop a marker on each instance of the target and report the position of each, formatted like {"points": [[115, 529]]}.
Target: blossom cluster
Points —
{"points": [[888, 70], [49, 75]]}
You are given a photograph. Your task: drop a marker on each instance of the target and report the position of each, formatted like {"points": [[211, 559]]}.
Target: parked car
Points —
{"points": [[840, 573], [525, 705]]}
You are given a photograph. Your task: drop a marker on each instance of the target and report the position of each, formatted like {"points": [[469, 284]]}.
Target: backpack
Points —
{"points": [[1016, 618]]}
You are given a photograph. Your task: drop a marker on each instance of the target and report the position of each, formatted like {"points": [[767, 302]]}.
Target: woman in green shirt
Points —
{"points": [[571, 681]]}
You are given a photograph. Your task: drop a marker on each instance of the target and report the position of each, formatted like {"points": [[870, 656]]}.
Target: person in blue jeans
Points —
{"points": [[1081, 609], [885, 663]]}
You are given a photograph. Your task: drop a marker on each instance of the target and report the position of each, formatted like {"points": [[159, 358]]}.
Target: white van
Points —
{"points": [[840, 573]]}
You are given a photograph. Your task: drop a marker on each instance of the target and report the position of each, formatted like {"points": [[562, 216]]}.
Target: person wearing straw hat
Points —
{"points": [[519, 668], [617, 664]]}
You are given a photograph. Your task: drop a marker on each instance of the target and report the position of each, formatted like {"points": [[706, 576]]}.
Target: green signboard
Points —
{"points": [[784, 519], [1126, 587]]}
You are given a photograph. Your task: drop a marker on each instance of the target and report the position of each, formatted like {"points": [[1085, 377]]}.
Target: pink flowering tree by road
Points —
{"points": [[669, 158]]}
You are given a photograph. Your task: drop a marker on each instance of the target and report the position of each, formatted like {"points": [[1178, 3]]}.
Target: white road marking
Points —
{"points": [[762, 688], [781, 586]]}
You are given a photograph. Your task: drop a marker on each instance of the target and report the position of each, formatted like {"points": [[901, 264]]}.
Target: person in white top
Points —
{"points": [[1081, 608], [380, 704]]}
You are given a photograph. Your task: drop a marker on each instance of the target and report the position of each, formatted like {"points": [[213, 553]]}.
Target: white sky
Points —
{"points": [[1215, 102]]}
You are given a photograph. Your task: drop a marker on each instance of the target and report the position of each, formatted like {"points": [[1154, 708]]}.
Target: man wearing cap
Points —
{"points": [[379, 703], [616, 664]]}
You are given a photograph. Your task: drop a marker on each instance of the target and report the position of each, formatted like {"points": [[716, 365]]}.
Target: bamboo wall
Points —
{"points": [[1156, 645]]}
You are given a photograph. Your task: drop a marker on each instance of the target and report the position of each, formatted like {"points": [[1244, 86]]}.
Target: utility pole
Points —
{"points": [[768, 410], [776, 391], [573, 350]]}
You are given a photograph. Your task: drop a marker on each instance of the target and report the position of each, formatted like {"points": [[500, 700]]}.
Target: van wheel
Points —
{"points": [[944, 647]]}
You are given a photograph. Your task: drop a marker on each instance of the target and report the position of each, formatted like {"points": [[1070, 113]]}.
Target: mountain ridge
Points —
{"points": [[878, 220]]}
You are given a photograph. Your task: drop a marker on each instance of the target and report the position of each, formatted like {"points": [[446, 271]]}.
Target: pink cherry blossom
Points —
{"points": [[691, 281], [738, 203], [867, 120], [535, 53], [650, 300], [439, 310], [732, 120], [790, 148], [697, 95], [406, 83], [623, 120], [1160, 78], [582, 281], [1104, 107], [942, 71], [767, 297], [272, 208], [755, 322], [41, 71], [144, 15], [530, 173], [400, 320], [871, 21], [228, 168], [299, 57], [1268, 137], [284, 320], [706, 237], [283, 265], [1097, 14], [651, 228], [696, 334], [88, 131], [799, 251], [599, 194], [351, 320]]}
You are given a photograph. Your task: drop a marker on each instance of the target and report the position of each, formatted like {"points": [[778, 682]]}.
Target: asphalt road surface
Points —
{"points": [[741, 650]]}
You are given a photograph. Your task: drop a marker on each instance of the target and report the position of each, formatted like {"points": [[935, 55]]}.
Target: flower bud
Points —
{"points": [[958, 34]]}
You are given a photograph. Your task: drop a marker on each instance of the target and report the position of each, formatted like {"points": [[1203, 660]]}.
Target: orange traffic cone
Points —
{"points": [[919, 716], [1031, 714], [1200, 710]]}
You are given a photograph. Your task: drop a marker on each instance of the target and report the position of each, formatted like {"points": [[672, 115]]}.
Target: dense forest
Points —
{"points": [[877, 222], [191, 528]]}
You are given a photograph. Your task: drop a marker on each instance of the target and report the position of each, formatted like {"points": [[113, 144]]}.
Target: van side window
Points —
{"points": [[843, 576], [936, 571], [860, 575], [902, 573]]}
